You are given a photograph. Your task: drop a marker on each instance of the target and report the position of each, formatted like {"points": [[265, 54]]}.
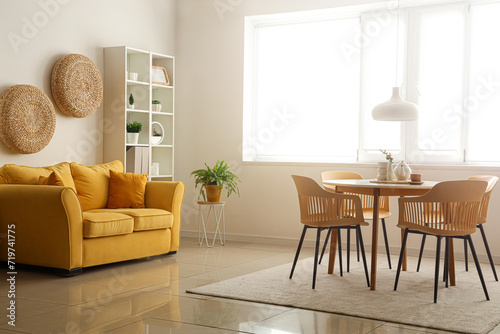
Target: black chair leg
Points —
{"points": [[488, 251], [316, 251], [400, 262], [324, 245], [436, 274], [339, 242], [446, 260], [421, 252], [466, 256], [359, 237], [478, 267], [386, 244], [348, 248], [357, 247], [298, 249]]}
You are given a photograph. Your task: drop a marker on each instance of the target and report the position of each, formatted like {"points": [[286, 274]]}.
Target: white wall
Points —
{"points": [[50, 29], [209, 127]]}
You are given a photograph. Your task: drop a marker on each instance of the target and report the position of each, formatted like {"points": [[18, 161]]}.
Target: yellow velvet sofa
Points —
{"points": [[69, 227]]}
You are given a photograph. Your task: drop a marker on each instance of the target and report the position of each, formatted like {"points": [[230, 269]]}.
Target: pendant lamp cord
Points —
{"points": [[397, 44]]}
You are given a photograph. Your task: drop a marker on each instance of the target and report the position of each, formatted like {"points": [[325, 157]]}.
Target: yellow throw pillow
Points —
{"points": [[52, 180], [92, 183], [16, 174], [126, 190]]}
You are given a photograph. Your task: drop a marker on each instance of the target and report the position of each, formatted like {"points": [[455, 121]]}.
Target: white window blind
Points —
{"points": [[311, 83]]}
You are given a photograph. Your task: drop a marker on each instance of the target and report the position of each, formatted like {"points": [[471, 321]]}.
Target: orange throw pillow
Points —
{"points": [[126, 190], [52, 180]]}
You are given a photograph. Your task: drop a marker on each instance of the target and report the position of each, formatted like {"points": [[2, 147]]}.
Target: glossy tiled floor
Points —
{"points": [[148, 296]]}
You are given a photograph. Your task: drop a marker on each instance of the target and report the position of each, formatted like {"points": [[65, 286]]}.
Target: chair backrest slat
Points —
{"points": [[449, 208], [319, 207], [483, 208]]}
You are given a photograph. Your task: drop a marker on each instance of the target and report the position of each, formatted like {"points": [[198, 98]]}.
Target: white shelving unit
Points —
{"points": [[118, 62]]}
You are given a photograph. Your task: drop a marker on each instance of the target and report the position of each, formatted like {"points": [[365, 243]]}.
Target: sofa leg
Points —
{"points": [[69, 273], [172, 253]]}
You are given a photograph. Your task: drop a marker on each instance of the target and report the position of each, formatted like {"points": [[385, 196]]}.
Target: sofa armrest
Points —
{"points": [[47, 225], [167, 196]]}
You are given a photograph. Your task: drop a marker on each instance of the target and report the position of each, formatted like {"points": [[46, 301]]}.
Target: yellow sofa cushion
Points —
{"points": [[144, 219], [52, 180], [2, 178], [126, 190], [17, 174], [92, 183], [103, 224]]}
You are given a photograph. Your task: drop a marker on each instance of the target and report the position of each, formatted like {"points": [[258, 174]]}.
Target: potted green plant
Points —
{"points": [[156, 105], [133, 129], [213, 179], [131, 101]]}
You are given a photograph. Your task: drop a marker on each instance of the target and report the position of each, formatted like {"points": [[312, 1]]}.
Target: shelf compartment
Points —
{"points": [[166, 121], [166, 98], [138, 62], [167, 63], [144, 119], [163, 156], [141, 96]]}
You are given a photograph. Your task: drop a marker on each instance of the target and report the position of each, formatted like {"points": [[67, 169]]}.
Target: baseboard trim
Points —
{"points": [[257, 239]]}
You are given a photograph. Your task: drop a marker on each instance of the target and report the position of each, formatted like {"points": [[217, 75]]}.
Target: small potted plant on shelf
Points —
{"points": [[157, 134], [213, 179], [156, 105], [131, 101], [133, 129]]}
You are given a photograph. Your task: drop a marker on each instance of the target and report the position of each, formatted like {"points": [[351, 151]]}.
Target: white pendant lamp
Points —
{"points": [[395, 109]]}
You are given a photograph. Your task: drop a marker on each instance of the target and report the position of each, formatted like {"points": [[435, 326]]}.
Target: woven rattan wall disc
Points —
{"points": [[27, 119], [76, 85]]}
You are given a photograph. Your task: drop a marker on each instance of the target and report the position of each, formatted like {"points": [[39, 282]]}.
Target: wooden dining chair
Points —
{"points": [[449, 210], [367, 204], [483, 216], [323, 210]]}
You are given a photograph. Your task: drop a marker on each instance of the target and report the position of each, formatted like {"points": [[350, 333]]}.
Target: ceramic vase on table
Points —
{"points": [[402, 171], [390, 172], [382, 170]]}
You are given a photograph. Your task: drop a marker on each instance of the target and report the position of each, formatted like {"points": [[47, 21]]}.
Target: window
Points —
{"points": [[311, 81]]}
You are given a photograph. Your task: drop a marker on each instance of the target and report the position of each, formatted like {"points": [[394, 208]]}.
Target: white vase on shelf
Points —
{"points": [[402, 171]]}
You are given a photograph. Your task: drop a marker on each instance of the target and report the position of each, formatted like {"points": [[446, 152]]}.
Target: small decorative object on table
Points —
{"points": [[131, 101], [402, 171], [213, 179], [156, 106], [382, 171], [387, 166], [416, 177], [133, 129]]}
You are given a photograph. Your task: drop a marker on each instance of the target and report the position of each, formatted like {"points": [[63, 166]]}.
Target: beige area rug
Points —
{"points": [[462, 308]]}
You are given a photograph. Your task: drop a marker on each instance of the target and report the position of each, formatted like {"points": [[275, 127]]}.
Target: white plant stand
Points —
{"points": [[204, 220]]}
